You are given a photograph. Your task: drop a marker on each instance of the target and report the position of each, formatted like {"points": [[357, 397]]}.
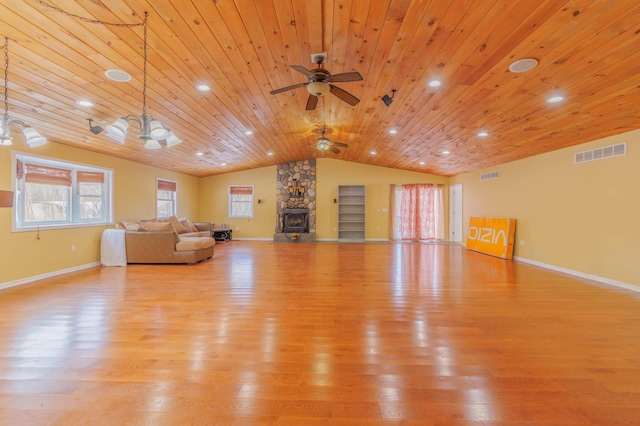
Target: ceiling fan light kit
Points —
{"points": [[317, 88], [319, 83], [323, 144]]}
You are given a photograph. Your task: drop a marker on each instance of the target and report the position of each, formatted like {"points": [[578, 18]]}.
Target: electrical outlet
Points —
{"points": [[521, 242], [73, 247]]}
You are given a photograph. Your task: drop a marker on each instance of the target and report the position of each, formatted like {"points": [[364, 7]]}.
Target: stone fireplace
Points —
{"points": [[296, 201]]}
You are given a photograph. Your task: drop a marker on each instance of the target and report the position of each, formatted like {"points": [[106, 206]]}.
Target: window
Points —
{"points": [[166, 205], [241, 201], [52, 193]]}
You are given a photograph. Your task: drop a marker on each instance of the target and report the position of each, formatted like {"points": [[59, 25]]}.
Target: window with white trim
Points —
{"points": [[166, 196], [54, 193], [241, 201]]}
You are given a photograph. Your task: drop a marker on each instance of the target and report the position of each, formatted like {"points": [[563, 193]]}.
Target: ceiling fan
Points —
{"points": [[323, 144], [319, 82]]}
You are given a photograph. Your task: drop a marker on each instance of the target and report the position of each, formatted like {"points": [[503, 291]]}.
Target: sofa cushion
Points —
{"points": [[131, 226], [189, 226], [177, 225], [194, 243], [195, 234], [156, 226]]}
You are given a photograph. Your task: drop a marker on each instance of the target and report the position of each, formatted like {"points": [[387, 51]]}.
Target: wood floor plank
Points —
{"points": [[325, 333]]}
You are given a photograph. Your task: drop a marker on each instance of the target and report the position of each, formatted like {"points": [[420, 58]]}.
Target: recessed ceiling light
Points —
{"points": [[223, 164], [203, 87], [446, 152], [483, 133], [373, 153], [555, 99], [270, 153], [393, 131], [117, 75], [199, 154], [523, 65], [248, 132], [422, 163], [434, 83], [84, 103]]}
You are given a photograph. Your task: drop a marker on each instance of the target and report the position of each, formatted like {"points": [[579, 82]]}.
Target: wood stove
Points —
{"points": [[295, 221]]}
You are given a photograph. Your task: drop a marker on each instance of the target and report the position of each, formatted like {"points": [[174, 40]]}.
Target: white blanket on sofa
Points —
{"points": [[113, 251]]}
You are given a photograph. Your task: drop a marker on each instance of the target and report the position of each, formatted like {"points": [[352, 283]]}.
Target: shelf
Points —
{"points": [[351, 213]]}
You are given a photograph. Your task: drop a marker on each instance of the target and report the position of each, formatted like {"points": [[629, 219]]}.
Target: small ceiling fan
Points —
{"points": [[323, 144], [319, 83]]}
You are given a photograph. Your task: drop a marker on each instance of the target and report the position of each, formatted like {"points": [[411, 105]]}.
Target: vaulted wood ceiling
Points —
{"points": [[588, 50]]}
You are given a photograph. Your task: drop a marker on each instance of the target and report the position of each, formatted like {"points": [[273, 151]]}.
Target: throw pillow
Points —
{"points": [[131, 226], [177, 226], [189, 225], [156, 226]]}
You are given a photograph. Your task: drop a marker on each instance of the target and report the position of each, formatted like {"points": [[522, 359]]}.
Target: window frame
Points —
{"points": [[249, 202], [73, 220], [174, 201]]}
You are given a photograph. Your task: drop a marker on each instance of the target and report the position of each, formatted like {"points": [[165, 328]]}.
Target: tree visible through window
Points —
{"points": [[166, 198], [240, 201], [54, 193]]}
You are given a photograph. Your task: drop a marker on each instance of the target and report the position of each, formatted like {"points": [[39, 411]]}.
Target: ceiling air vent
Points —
{"points": [[601, 153], [489, 176]]}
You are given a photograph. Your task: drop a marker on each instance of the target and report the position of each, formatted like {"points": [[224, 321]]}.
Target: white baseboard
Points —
{"points": [[47, 275], [602, 280]]}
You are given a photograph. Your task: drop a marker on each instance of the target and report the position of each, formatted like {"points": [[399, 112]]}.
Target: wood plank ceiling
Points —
{"points": [[588, 50]]}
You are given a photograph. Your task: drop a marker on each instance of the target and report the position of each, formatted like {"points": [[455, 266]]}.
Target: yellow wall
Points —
{"points": [[214, 205], [333, 173], [578, 217], [22, 255], [581, 217], [330, 174]]}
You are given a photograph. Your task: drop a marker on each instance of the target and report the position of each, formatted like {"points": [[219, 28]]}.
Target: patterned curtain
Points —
{"points": [[421, 212]]}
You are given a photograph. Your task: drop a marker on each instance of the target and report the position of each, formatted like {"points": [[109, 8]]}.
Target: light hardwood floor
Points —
{"points": [[331, 334]]}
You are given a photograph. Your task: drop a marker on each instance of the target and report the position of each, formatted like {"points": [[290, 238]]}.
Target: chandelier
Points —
{"points": [[31, 136], [152, 131]]}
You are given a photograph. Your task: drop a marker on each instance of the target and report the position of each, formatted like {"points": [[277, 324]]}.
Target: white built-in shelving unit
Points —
{"points": [[351, 209]]}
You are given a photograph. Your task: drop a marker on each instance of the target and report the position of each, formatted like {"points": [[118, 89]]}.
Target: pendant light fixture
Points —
{"points": [[31, 136], [152, 131]]}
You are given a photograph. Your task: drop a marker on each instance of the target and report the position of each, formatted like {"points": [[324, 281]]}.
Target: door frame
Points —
{"points": [[455, 213]]}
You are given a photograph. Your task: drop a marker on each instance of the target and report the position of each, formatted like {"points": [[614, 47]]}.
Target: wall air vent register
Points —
{"points": [[490, 176], [601, 153]]}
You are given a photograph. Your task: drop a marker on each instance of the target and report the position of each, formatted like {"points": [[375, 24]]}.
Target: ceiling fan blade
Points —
{"points": [[284, 89], [340, 144], [346, 76], [344, 95], [334, 149], [312, 101], [304, 71]]}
